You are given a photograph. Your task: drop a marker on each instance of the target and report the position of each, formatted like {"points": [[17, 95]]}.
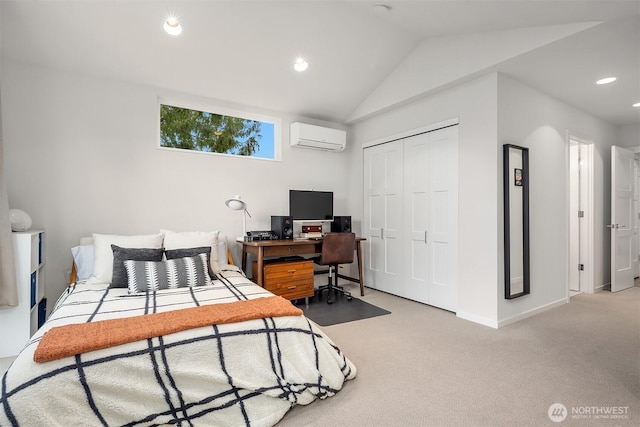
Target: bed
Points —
{"points": [[247, 372]]}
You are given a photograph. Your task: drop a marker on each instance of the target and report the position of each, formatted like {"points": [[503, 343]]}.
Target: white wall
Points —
{"points": [[532, 119], [475, 104], [81, 157], [628, 136]]}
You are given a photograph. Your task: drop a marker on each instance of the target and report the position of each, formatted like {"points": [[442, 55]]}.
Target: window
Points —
{"points": [[190, 129]]}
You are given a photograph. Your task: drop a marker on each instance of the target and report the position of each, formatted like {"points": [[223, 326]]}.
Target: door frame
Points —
{"points": [[586, 244]]}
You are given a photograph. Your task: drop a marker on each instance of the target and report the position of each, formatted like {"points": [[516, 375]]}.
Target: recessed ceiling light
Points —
{"points": [[172, 26], [637, 104], [300, 64], [606, 80]]}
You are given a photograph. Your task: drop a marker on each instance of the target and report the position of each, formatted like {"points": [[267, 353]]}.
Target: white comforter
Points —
{"points": [[246, 373]]}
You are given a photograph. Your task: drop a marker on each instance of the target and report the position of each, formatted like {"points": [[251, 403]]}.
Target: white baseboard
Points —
{"points": [[478, 319], [532, 312]]}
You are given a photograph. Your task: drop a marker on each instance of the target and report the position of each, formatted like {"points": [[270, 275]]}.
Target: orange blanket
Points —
{"points": [[69, 340]]}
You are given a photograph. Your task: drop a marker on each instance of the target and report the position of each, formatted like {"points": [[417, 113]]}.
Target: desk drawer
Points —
{"points": [[292, 290], [286, 271], [290, 250], [290, 280]]}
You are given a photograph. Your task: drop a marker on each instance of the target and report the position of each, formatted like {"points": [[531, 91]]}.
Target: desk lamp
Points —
{"points": [[236, 203]]}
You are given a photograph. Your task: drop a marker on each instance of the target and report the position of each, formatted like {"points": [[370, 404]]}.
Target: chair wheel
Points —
{"points": [[329, 301], [349, 297]]}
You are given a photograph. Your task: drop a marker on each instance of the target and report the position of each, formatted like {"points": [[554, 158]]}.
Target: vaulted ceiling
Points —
{"points": [[242, 52]]}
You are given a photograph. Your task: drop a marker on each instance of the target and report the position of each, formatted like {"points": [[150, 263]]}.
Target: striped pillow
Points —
{"points": [[143, 276]]}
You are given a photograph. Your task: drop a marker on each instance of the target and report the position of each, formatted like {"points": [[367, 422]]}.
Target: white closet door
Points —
{"points": [[416, 217], [431, 218], [383, 176], [443, 218], [411, 217]]}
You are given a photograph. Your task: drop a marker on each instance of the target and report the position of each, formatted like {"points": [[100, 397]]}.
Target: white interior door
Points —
{"points": [[574, 217], [636, 222], [622, 213], [411, 217], [416, 217], [580, 216], [431, 218], [383, 180], [443, 218]]}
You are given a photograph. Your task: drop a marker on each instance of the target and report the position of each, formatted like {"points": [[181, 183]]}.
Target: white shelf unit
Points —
{"points": [[18, 324]]}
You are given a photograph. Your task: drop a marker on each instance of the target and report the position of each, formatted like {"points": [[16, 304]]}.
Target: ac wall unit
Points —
{"points": [[317, 137]]}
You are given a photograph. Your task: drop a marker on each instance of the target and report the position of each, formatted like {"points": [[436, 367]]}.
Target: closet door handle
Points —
{"points": [[425, 235], [382, 233]]}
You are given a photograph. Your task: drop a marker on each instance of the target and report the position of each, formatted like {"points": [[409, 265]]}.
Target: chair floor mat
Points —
{"points": [[341, 311]]}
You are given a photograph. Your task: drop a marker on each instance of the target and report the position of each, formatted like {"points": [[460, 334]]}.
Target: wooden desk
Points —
{"points": [[262, 249]]}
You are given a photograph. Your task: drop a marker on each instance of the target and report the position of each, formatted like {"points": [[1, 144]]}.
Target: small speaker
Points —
{"points": [[282, 226], [341, 224]]}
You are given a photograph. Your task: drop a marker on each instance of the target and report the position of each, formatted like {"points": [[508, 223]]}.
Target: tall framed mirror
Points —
{"points": [[516, 220]]}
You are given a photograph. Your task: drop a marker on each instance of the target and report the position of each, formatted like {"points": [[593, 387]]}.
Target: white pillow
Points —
{"points": [[103, 259], [222, 249], [194, 239], [83, 258]]}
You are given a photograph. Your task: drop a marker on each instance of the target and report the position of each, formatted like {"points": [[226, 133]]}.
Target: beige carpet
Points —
{"points": [[421, 366]]}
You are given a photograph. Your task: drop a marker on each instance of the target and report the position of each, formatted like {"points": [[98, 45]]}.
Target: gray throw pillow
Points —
{"points": [[191, 252], [120, 255], [146, 276]]}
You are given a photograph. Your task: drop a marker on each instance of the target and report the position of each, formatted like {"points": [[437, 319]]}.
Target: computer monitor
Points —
{"points": [[307, 205]]}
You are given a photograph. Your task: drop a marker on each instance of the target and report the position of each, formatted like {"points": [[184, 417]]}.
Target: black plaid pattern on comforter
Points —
{"points": [[247, 373]]}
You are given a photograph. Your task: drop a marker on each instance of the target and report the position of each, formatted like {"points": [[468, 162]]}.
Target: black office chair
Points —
{"points": [[337, 248]]}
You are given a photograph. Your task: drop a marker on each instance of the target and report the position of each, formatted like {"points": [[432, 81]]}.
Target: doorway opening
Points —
{"points": [[581, 213]]}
